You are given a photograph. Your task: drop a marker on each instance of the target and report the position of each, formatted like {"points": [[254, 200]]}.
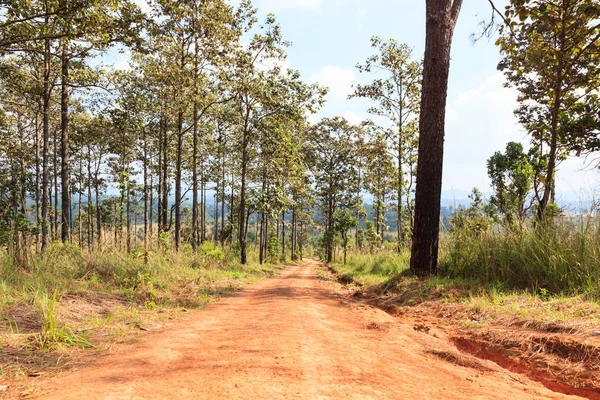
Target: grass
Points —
{"points": [[54, 333], [372, 269], [562, 259], [68, 298], [523, 277]]}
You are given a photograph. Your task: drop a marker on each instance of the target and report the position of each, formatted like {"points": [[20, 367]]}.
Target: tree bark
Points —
{"points": [[64, 145], [45, 145], [441, 20], [178, 162], [242, 211]]}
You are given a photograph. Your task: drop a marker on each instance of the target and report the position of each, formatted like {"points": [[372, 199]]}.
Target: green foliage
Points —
{"points": [[273, 249], [344, 220], [512, 175], [551, 56], [473, 220], [372, 236]]}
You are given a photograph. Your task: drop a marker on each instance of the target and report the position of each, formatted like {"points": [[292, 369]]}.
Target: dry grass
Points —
{"points": [[67, 298]]}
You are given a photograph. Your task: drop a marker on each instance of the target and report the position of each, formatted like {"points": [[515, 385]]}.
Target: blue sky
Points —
{"points": [[330, 36]]}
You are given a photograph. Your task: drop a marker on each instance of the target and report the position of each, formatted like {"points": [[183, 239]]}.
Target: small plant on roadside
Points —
{"points": [[53, 333]]}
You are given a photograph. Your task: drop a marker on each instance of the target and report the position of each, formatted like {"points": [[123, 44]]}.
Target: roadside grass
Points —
{"points": [[514, 277], [373, 269], [67, 299], [561, 259]]}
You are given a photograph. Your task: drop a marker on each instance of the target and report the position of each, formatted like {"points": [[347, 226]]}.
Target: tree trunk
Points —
{"points": [[203, 208], [145, 192], [128, 218], [178, 163], [151, 211], [242, 211], [45, 145], [283, 236], [80, 201], [38, 187], [301, 242], [330, 230], [64, 145], [98, 213], [195, 156], [441, 20], [165, 178], [55, 170], [293, 238], [90, 213]]}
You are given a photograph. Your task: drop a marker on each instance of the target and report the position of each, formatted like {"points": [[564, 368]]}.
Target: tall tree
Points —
{"points": [[396, 92], [552, 56], [441, 17], [330, 149]]}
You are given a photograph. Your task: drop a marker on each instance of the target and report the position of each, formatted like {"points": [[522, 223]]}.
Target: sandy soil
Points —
{"points": [[290, 337]]}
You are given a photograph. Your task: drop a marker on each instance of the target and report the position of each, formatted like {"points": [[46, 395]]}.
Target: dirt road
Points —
{"points": [[291, 337]]}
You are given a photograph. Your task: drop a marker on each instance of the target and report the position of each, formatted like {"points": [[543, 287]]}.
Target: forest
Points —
{"points": [[203, 162]]}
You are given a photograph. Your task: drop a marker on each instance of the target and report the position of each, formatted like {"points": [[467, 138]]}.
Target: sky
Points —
{"points": [[329, 37]]}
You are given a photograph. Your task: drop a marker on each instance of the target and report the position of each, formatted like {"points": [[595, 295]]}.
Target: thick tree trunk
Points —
{"points": [[441, 20], [550, 171]]}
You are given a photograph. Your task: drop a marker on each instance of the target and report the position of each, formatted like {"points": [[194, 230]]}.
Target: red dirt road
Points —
{"points": [[290, 337]]}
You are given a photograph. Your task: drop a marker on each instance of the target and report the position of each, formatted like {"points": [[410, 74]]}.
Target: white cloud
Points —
{"points": [[338, 80]]}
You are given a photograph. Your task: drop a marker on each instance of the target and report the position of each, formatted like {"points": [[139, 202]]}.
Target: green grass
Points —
{"points": [[369, 269]]}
